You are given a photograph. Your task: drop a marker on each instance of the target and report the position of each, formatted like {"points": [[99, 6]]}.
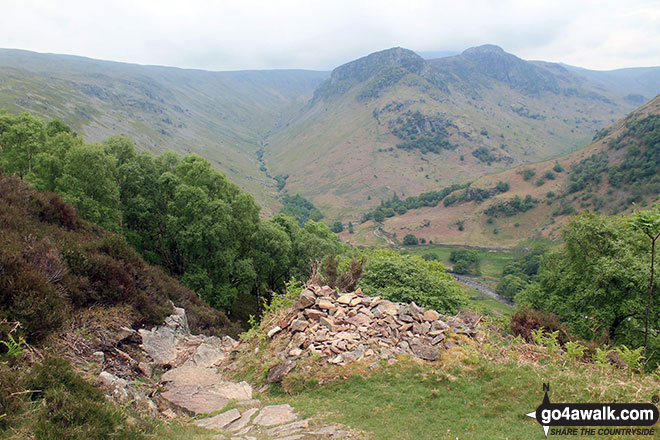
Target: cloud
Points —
{"points": [[230, 34]]}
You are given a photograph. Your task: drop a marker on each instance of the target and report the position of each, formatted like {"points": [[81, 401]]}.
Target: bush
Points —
{"points": [[72, 408], [524, 320], [528, 174], [409, 278], [510, 285], [337, 227], [410, 240]]}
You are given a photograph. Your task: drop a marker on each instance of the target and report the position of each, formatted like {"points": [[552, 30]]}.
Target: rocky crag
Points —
{"points": [[182, 379]]}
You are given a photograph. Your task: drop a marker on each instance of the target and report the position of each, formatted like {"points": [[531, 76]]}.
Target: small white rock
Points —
{"points": [[274, 331]]}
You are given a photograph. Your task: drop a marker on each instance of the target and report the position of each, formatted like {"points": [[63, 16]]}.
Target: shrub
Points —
{"points": [[409, 278], [410, 240], [72, 408], [524, 320]]}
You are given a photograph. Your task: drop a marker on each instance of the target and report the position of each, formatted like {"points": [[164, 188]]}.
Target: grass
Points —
{"points": [[491, 262], [468, 394], [487, 304], [481, 389]]}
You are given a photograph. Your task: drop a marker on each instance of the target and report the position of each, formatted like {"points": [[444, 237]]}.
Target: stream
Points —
{"points": [[471, 282]]}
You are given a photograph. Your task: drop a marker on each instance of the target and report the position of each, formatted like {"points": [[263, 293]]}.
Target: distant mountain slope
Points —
{"points": [[389, 122], [394, 122], [222, 116], [621, 167]]}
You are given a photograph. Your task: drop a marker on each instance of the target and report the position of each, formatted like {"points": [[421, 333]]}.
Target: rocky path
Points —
{"points": [[192, 386]]}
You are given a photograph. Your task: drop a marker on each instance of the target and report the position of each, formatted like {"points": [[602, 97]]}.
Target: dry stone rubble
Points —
{"points": [[348, 327]]}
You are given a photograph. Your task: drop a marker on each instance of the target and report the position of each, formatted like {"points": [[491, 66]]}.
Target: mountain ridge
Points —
{"points": [[479, 112], [257, 125]]}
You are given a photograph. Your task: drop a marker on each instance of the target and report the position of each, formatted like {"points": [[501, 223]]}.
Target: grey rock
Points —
{"points": [[243, 421], [387, 308], [275, 415], [325, 303], [146, 368], [327, 322], [425, 352], [307, 298], [288, 429], [278, 372], [272, 332], [209, 379], [160, 343], [206, 355], [299, 325], [195, 399], [178, 322], [99, 357], [219, 421]]}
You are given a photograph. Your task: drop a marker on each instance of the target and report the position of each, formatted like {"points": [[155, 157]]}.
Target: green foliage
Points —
{"points": [[558, 168], [632, 358], [466, 261], [421, 132], [409, 278], [574, 350], [337, 227], [300, 208], [510, 285], [597, 281], [511, 207], [177, 212], [528, 173], [484, 155], [647, 222], [410, 240], [22, 137], [72, 408], [638, 172], [547, 338], [281, 181], [395, 205], [602, 357], [588, 172], [14, 347], [502, 186], [46, 249]]}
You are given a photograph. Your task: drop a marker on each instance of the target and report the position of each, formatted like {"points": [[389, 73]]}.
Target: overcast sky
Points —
{"points": [[245, 34]]}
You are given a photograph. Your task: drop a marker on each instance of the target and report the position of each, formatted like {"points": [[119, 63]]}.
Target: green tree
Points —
{"points": [[89, 181], [410, 240], [337, 227], [596, 281], [648, 222], [21, 138]]}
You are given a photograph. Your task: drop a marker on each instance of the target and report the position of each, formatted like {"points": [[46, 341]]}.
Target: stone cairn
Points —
{"points": [[349, 327]]}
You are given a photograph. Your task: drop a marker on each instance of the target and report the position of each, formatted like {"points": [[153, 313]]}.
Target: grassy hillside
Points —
{"points": [[393, 122], [609, 175], [223, 116]]}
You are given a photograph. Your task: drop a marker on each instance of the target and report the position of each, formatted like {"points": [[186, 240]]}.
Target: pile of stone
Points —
{"points": [[347, 327]]}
